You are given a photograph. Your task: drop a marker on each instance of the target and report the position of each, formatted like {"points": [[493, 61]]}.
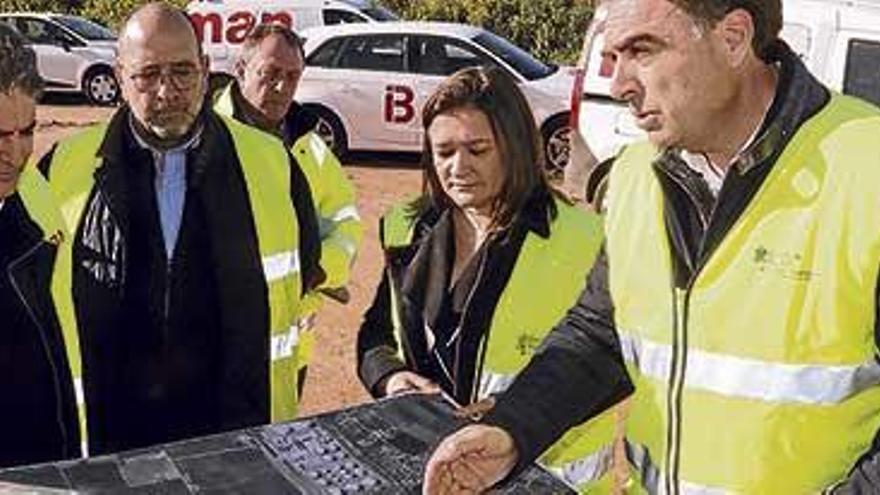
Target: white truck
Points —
{"points": [[222, 25], [839, 40]]}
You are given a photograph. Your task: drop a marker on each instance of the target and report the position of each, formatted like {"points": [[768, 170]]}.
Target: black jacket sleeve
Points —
{"points": [[576, 373], [309, 233], [377, 348], [865, 475]]}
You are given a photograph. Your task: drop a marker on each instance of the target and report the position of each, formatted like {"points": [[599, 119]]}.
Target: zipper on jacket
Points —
{"points": [[681, 311], [56, 381], [460, 328]]}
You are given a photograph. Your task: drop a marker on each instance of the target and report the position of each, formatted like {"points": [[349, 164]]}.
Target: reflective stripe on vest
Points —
{"points": [[754, 379], [761, 376], [266, 171], [553, 270]]}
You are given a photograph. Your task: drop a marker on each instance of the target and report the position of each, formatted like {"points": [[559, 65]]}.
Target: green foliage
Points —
{"points": [[39, 5], [552, 30], [113, 12], [107, 12]]}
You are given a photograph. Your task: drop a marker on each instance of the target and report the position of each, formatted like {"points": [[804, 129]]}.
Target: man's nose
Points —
{"points": [[624, 86]]}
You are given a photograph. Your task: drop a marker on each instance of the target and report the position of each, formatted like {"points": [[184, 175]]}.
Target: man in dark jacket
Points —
{"points": [[35, 390], [267, 72], [185, 272], [737, 287]]}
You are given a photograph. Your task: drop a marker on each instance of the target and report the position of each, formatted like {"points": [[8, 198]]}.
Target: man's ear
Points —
{"points": [[736, 30], [121, 83]]}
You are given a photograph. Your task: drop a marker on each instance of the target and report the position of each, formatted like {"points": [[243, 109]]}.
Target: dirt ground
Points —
{"points": [[332, 381]]}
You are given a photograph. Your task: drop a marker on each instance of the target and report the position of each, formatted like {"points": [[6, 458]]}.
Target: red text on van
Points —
{"points": [[210, 26]]}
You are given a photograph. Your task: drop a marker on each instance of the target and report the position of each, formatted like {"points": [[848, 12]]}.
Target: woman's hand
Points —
{"points": [[407, 382]]}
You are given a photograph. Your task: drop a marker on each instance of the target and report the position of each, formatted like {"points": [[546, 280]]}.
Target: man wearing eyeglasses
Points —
{"points": [[193, 241], [267, 73]]}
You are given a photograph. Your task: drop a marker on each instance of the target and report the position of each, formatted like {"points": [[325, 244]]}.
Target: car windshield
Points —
{"points": [[86, 28], [379, 13], [521, 60]]}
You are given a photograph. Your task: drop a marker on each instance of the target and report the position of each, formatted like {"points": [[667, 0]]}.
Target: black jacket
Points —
{"points": [[174, 349], [421, 272], [36, 392], [581, 359]]}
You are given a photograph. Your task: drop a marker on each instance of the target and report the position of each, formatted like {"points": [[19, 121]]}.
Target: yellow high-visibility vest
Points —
{"points": [[341, 228], [761, 375], [548, 277], [264, 163]]}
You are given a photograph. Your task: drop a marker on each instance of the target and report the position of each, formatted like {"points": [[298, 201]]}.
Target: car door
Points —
{"points": [[433, 59], [375, 92], [56, 61]]}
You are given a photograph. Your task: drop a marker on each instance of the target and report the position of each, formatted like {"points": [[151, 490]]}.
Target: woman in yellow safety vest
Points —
{"points": [[482, 265]]}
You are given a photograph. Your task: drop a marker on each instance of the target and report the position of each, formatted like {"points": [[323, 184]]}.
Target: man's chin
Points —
{"points": [[659, 139], [170, 132], [7, 188]]}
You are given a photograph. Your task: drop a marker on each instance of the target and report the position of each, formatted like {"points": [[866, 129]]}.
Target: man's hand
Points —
{"points": [[470, 461], [407, 382]]}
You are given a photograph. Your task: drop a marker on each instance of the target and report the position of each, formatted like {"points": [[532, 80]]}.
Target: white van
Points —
{"points": [[839, 40], [222, 25]]}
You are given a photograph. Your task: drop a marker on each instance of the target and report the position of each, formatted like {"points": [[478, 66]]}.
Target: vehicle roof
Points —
{"points": [[417, 27]]}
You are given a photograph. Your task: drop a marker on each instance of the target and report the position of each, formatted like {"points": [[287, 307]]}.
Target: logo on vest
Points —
{"points": [[789, 265], [526, 344]]}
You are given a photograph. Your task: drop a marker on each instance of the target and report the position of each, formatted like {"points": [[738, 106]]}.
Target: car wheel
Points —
{"points": [[556, 133], [100, 86], [330, 129]]}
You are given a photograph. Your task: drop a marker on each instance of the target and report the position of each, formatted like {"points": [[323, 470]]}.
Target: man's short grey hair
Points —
{"points": [[18, 64], [263, 31]]}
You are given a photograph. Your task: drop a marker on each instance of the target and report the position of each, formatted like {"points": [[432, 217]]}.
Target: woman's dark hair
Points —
{"points": [[491, 91]]}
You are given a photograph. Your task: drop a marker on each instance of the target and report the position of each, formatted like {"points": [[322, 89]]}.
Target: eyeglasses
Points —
{"points": [[182, 76]]}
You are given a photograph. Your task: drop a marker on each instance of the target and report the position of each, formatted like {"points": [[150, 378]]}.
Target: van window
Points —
{"points": [[862, 73], [379, 13], [325, 55], [381, 52], [336, 16]]}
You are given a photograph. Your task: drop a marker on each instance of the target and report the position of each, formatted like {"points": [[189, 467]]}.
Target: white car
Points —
{"points": [[368, 82], [73, 53], [838, 40]]}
